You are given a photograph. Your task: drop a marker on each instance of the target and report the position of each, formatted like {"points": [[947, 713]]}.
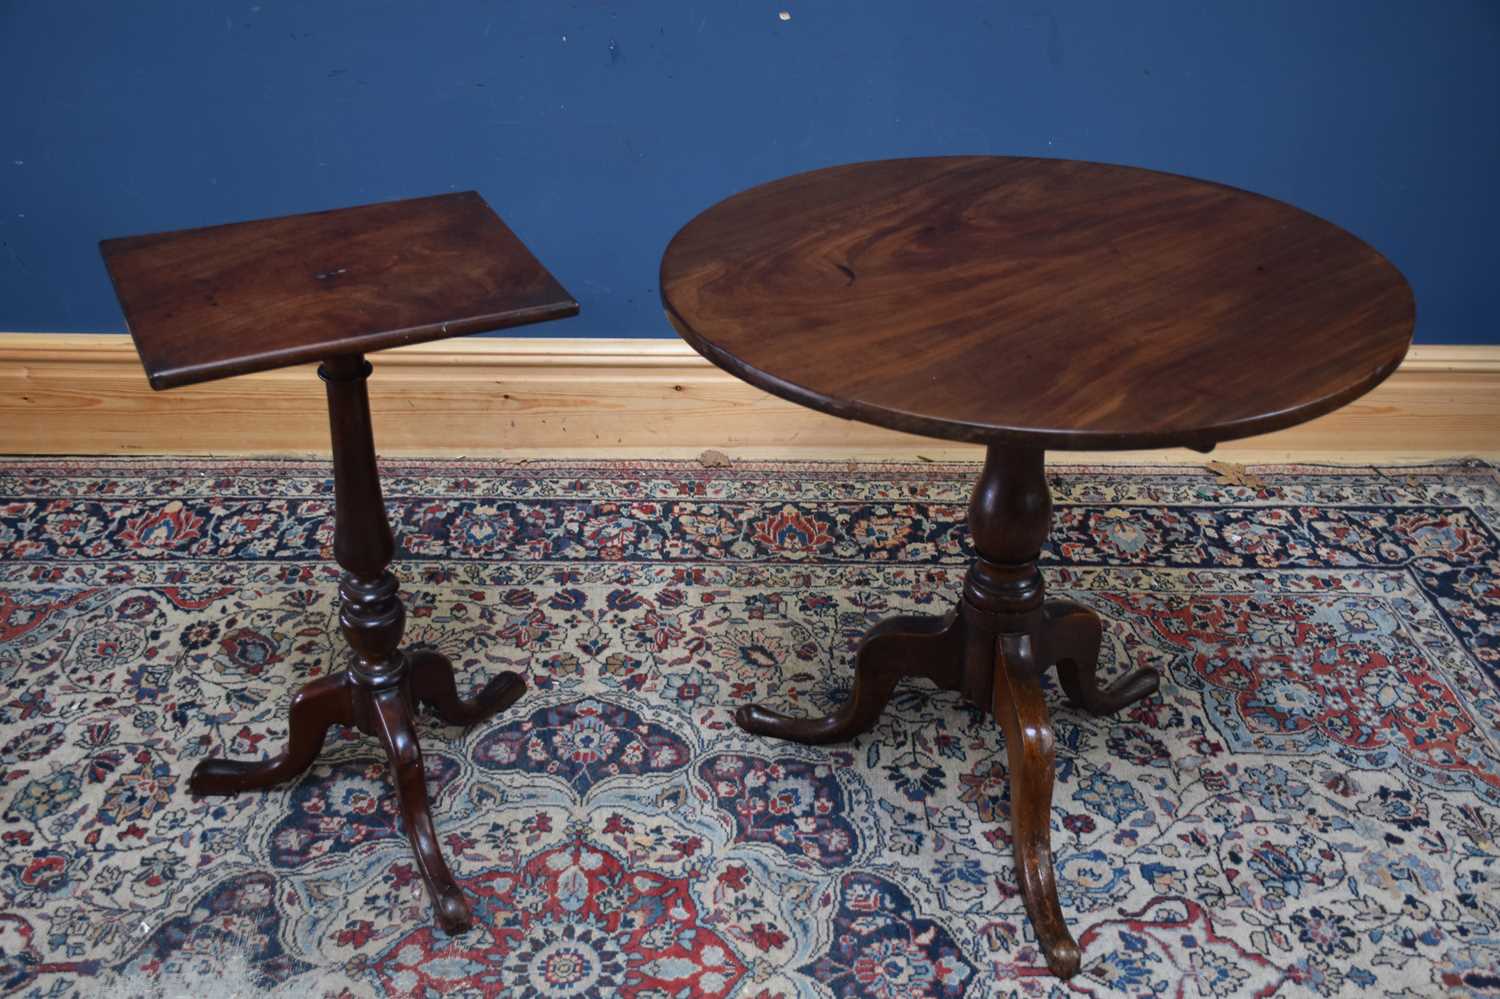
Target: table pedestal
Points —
{"points": [[377, 693], [993, 648]]}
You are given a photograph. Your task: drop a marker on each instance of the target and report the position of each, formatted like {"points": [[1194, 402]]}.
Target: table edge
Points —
{"points": [[363, 343], [1201, 439]]}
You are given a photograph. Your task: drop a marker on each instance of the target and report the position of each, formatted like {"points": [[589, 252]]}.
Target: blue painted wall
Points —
{"points": [[597, 128]]}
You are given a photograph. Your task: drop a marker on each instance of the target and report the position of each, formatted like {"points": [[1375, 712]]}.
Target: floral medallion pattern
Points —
{"points": [[571, 921], [1309, 806], [582, 743], [881, 948], [795, 805]]}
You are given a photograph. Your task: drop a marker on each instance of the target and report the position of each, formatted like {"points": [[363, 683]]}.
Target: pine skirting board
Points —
{"points": [[518, 397]]}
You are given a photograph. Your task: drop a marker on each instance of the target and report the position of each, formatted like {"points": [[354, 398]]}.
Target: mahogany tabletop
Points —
{"points": [[231, 299], [1037, 302]]}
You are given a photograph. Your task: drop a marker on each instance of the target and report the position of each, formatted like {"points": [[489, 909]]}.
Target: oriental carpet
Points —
{"points": [[1309, 806]]}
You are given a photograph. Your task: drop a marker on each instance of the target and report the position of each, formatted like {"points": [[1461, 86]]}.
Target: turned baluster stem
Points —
{"points": [[370, 610], [1010, 513]]}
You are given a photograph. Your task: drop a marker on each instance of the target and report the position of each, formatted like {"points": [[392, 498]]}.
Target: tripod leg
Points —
{"points": [[322, 703]]}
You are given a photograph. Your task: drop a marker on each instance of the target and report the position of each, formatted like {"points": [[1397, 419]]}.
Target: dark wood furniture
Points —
{"points": [[1027, 304], [331, 286]]}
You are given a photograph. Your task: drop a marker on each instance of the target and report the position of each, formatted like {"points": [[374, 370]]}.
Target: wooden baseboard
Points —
{"points": [[518, 397]]}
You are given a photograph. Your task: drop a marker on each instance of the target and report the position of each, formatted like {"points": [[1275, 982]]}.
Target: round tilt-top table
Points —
{"points": [[1027, 304]]}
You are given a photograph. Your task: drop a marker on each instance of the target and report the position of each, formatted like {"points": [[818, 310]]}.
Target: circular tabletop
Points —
{"points": [[1037, 302]]}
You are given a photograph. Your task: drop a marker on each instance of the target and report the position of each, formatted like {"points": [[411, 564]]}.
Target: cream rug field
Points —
{"points": [[1309, 806]]}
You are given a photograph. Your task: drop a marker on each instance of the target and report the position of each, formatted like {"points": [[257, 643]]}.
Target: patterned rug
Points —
{"points": [[1310, 805]]}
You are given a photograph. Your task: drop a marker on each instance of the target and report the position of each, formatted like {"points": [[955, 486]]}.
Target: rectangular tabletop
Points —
{"points": [[251, 296]]}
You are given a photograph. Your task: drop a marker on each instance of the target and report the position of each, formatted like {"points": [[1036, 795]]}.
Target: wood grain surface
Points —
{"points": [[250, 296], [1037, 302]]}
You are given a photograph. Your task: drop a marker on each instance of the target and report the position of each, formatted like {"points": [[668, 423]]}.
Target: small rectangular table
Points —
{"points": [[330, 287]]}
